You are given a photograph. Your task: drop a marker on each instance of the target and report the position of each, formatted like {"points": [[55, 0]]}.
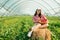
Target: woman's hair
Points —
{"points": [[39, 13]]}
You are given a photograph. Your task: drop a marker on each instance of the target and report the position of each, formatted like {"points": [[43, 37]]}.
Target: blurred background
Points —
{"points": [[16, 18], [28, 7]]}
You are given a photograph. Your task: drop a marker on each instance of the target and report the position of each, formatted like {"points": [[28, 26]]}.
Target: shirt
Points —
{"points": [[42, 19]]}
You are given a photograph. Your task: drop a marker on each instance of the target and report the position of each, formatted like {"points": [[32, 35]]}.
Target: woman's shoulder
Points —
{"points": [[34, 16], [42, 15]]}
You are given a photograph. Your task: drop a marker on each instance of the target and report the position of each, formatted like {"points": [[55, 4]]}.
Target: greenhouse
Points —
{"points": [[18, 7]]}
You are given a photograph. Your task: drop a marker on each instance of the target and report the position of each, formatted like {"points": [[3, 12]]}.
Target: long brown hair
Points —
{"points": [[39, 13]]}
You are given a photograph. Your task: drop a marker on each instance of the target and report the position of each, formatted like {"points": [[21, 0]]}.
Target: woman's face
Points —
{"points": [[38, 11]]}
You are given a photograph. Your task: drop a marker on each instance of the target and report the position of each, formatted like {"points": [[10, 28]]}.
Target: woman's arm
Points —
{"points": [[35, 19], [44, 22], [43, 19]]}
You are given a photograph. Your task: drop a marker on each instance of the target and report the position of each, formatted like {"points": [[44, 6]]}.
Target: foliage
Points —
{"points": [[17, 27]]}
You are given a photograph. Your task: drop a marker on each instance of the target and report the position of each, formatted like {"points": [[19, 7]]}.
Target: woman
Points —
{"points": [[40, 18], [40, 21]]}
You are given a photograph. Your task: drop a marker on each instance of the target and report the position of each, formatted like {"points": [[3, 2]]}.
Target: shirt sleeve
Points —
{"points": [[44, 19], [33, 18]]}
